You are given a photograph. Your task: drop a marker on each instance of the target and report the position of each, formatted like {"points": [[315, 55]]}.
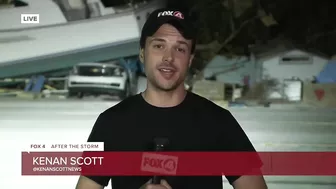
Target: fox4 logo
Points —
{"points": [[177, 14], [158, 163]]}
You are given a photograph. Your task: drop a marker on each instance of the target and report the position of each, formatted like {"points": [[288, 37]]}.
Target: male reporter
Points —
{"points": [[166, 109]]}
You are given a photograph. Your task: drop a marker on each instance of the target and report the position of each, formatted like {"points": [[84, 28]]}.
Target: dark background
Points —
{"points": [[239, 23]]}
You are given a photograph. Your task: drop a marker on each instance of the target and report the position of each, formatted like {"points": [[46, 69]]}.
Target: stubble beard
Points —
{"points": [[156, 85]]}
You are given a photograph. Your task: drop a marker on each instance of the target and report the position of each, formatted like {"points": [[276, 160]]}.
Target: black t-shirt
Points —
{"points": [[196, 124]]}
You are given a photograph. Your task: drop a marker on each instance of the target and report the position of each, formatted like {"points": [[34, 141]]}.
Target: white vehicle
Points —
{"points": [[99, 78]]}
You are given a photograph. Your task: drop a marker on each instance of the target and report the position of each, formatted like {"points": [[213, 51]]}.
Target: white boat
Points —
{"points": [[68, 32]]}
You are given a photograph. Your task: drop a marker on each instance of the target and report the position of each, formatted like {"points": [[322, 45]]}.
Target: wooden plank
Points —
{"points": [[319, 94], [211, 90]]}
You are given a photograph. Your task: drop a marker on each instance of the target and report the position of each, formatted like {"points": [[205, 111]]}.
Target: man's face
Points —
{"points": [[167, 58]]}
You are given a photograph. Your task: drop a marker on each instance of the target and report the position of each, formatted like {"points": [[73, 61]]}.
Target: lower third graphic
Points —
{"points": [[158, 163]]}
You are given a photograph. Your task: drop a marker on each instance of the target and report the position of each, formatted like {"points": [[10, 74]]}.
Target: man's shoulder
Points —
{"points": [[205, 104], [113, 116], [123, 107]]}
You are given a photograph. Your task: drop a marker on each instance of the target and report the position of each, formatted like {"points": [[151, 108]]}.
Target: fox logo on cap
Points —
{"points": [[177, 14]]}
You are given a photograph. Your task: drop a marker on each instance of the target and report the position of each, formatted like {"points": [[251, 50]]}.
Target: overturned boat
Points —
{"points": [[68, 32]]}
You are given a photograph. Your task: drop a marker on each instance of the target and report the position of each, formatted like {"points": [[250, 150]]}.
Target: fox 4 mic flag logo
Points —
{"points": [[30, 18], [160, 164]]}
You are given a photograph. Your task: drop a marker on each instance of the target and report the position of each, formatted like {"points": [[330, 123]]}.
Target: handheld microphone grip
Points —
{"points": [[159, 145], [156, 180]]}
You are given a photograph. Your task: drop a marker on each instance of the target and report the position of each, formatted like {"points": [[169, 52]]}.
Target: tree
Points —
{"points": [[231, 27], [309, 23], [226, 27]]}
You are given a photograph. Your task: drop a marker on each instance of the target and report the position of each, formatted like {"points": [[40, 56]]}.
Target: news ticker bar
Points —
{"points": [[179, 163]]}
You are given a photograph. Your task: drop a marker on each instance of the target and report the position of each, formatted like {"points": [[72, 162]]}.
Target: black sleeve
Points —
{"points": [[235, 140], [97, 135]]}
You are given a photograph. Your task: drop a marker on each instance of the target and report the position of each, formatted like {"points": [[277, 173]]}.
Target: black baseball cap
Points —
{"points": [[175, 17]]}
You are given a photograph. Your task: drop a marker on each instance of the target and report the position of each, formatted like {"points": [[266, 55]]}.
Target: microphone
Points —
{"points": [[159, 145]]}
